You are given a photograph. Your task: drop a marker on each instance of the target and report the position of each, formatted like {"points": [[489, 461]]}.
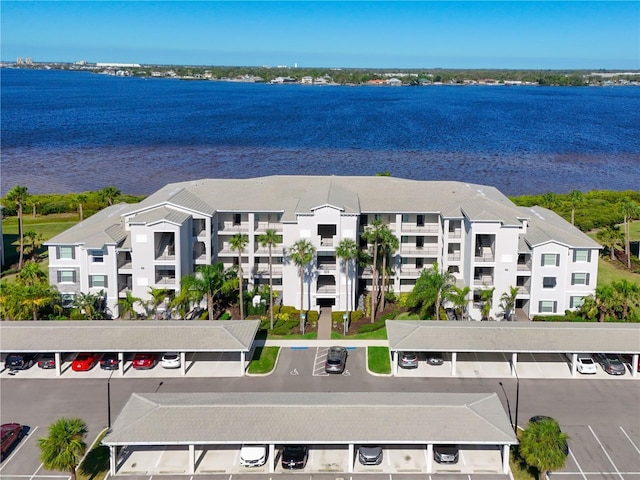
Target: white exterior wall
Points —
{"points": [[538, 272], [290, 279], [590, 267]]}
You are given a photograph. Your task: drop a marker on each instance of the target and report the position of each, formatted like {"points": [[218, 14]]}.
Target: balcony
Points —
{"points": [[326, 242], [261, 227], [457, 233], [485, 256], [165, 279], [483, 281], [408, 249], [262, 269], [454, 256], [326, 290], [276, 250], [426, 228], [231, 227]]}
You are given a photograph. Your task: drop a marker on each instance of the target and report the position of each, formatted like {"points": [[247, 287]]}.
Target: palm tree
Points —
{"points": [[575, 198], [158, 295], [109, 194], [270, 239], [543, 446], [508, 300], [388, 245], [373, 234], [347, 251], [90, 304], [35, 241], [460, 300], [601, 304], [628, 293], [207, 282], [65, 446], [611, 237], [238, 243], [430, 289], [81, 198], [302, 253], [630, 210], [37, 296], [126, 306], [32, 274], [486, 296], [18, 195], [550, 200]]}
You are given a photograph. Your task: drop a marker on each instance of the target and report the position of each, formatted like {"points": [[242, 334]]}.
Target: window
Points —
{"points": [[97, 256], [405, 218], [550, 260], [420, 222], [576, 302], [66, 253], [547, 306], [579, 279], [419, 242], [364, 219], [582, 255], [418, 263], [237, 219], [97, 281], [404, 239], [66, 276], [549, 282]]}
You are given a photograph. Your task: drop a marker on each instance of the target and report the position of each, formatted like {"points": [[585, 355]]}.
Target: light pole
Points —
{"points": [[109, 400]]}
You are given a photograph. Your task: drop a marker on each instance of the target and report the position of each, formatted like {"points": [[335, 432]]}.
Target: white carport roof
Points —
{"points": [[513, 337], [312, 418], [128, 336]]}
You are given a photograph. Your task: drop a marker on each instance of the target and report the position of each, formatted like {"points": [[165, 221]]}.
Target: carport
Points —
{"points": [[123, 337], [513, 338], [194, 426]]}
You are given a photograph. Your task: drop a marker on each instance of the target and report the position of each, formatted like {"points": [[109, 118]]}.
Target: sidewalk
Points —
{"points": [[323, 343]]}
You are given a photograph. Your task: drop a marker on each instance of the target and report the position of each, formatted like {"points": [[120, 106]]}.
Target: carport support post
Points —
{"points": [[514, 360], [58, 364], [350, 458], [272, 457], [192, 459], [634, 365], [429, 458], [112, 459], [394, 362], [242, 367], [121, 363], [574, 364], [505, 459], [183, 366], [454, 357]]}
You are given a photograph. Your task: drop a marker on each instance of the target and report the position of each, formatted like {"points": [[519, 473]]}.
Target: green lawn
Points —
{"points": [[379, 360], [264, 360], [608, 272], [96, 464]]}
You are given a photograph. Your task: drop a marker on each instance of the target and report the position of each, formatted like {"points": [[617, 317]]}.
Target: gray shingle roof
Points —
{"points": [[128, 336], [311, 418], [546, 226], [513, 337], [159, 214]]}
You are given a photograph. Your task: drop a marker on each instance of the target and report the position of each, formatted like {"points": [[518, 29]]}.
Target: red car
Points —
{"points": [[11, 434], [144, 361], [85, 361]]}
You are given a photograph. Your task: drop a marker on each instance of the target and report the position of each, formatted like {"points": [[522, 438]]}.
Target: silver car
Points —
{"points": [[611, 363], [336, 360], [408, 360], [370, 455]]}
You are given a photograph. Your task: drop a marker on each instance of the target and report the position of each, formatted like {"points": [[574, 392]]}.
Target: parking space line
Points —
{"points": [[15, 450], [37, 470], [629, 438], [605, 452], [577, 464], [319, 361]]}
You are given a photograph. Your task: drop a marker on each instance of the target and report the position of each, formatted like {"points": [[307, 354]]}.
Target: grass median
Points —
{"points": [[264, 360], [379, 360]]}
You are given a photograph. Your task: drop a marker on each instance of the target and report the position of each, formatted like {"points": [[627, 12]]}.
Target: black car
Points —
{"points": [[109, 361], [295, 456], [445, 453], [20, 361], [541, 418], [47, 360]]}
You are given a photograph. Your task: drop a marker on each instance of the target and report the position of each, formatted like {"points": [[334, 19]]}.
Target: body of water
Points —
{"points": [[75, 131]]}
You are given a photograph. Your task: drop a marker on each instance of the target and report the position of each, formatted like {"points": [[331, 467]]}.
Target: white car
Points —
{"points": [[584, 363], [170, 360], [253, 455]]}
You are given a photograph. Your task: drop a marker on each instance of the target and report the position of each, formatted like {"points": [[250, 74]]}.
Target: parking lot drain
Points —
{"points": [[409, 470]]}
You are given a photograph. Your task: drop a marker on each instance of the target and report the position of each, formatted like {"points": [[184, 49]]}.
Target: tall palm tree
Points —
{"points": [[601, 304], [430, 289], [18, 195], [460, 299], [35, 241], [486, 296], [549, 200], [65, 445], [630, 210], [575, 198], [126, 306], [32, 274], [347, 251], [372, 235], [158, 296], [206, 283], [628, 293], [302, 253], [81, 198], [543, 446], [508, 300], [90, 304], [270, 239], [238, 243], [389, 244], [611, 237], [37, 296], [109, 194]]}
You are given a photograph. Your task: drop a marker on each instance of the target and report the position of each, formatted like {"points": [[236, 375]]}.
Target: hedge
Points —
{"points": [[336, 317]]}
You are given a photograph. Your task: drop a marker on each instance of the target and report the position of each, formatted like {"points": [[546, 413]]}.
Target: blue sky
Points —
{"points": [[375, 34]]}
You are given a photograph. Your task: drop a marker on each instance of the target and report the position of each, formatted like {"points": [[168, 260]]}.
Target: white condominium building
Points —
{"points": [[473, 231]]}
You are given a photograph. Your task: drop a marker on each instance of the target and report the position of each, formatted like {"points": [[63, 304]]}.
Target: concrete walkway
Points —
{"points": [[324, 324]]}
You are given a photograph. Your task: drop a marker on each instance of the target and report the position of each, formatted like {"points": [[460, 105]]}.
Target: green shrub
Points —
{"points": [[285, 327], [225, 316], [390, 297], [356, 315], [371, 327]]}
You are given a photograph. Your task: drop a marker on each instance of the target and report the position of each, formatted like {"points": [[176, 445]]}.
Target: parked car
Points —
{"points": [[336, 360], [408, 360], [445, 453], [370, 455], [47, 360], [540, 418], [20, 361], [110, 361], [85, 361], [170, 360], [253, 455], [295, 456], [611, 363], [629, 359], [11, 433], [584, 363], [144, 361], [435, 358]]}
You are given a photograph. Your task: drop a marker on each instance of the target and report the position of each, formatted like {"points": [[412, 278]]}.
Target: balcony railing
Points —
{"points": [[485, 280], [166, 280], [230, 227], [326, 242], [524, 267], [524, 289], [326, 289], [455, 233], [263, 226], [125, 265], [263, 269], [423, 251], [426, 228], [453, 257], [485, 257], [276, 251]]}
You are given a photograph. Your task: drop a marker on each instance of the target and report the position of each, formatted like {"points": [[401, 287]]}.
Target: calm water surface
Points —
{"points": [[76, 131]]}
